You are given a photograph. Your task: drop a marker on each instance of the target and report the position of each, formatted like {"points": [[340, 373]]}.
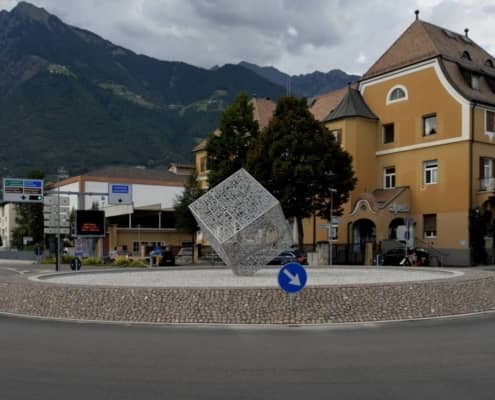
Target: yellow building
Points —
{"points": [[420, 126]]}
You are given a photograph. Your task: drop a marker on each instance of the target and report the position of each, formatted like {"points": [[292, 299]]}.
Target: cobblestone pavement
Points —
{"points": [[472, 292]]}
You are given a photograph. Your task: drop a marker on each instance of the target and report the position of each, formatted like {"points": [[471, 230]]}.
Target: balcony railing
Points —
{"points": [[487, 185]]}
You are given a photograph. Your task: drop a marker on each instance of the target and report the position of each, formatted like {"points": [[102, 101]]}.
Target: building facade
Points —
{"points": [[140, 226], [420, 126]]}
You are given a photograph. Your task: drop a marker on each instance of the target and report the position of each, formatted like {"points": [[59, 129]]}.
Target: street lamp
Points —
{"points": [[330, 228]]}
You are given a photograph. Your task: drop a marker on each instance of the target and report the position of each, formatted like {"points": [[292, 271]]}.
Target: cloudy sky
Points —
{"points": [[296, 36]]}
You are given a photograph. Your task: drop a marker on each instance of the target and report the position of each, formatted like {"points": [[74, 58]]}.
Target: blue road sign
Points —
{"points": [[120, 188], [292, 277], [33, 183]]}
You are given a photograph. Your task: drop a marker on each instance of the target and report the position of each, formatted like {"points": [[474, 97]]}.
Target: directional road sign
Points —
{"points": [[53, 200], [292, 277], [54, 231], [119, 193], [19, 190]]}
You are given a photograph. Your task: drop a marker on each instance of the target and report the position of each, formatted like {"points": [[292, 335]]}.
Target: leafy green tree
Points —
{"points": [[184, 220], [227, 148], [29, 218], [298, 160]]}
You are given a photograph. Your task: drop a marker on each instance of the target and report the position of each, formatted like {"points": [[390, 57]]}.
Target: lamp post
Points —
{"points": [[330, 228]]}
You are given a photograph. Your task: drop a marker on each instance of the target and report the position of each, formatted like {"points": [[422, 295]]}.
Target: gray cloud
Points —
{"points": [[293, 35]]}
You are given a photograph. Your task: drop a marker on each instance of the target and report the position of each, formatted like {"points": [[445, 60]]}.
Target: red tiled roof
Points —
{"points": [[422, 41], [324, 104], [263, 111]]}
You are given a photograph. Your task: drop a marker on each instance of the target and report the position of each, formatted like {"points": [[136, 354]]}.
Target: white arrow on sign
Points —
{"points": [[294, 279]]}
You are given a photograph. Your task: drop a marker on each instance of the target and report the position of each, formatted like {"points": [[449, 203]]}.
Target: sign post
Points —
{"points": [[292, 278], [56, 219]]}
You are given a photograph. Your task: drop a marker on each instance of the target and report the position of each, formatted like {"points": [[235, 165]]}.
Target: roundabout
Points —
{"points": [[224, 278], [217, 296]]}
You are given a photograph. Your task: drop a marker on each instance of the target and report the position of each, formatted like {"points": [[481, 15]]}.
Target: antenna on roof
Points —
{"points": [[417, 14], [466, 31]]}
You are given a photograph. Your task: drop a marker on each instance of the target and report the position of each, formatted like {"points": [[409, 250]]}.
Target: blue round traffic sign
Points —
{"points": [[292, 277]]}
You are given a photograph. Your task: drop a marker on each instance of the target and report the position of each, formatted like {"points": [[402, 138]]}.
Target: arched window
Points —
{"points": [[489, 63], [397, 93], [466, 56]]}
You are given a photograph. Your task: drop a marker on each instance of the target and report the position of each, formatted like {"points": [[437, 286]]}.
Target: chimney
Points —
{"points": [[417, 14], [466, 31]]}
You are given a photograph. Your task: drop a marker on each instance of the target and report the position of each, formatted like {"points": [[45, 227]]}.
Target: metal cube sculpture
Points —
{"points": [[243, 222]]}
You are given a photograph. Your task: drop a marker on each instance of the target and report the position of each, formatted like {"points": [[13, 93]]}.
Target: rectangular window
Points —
{"points": [[389, 177], [486, 174], [430, 226], [430, 172], [429, 124], [388, 133], [490, 121], [337, 134], [486, 167], [202, 164], [135, 247]]}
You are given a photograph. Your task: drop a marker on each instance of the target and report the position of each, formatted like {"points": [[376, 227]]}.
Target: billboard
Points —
{"points": [[90, 223]]}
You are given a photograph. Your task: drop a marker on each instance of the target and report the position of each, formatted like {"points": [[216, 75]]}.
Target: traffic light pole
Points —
{"points": [[57, 266]]}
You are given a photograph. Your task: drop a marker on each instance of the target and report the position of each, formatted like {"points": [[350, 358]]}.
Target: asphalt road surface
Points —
{"points": [[441, 359]]}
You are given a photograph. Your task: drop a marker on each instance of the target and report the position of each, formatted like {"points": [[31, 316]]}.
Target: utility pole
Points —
{"points": [[330, 228]]}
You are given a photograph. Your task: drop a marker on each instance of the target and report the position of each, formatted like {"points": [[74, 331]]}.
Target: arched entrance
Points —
{"points": [[364, 230], [392, 227], [364, 237]]}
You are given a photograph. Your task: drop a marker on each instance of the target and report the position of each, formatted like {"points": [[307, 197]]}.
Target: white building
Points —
{"points": [[148, 221], [7, 224]]}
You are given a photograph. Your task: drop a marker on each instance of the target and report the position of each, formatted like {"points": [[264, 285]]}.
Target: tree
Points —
{"points": [[184, 219], [298, 161], [29, 218], [227, 148]]}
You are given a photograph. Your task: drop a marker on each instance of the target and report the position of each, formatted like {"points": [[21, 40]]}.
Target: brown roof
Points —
{"points": [[324, 104], [263, 111], [136, 173], [201, 146], [422, 41]]}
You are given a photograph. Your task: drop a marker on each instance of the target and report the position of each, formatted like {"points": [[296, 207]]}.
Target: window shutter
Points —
{"points": [[482, 168]]}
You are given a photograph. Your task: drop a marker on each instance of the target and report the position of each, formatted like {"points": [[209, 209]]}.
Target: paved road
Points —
{"points": [[443, 359]]}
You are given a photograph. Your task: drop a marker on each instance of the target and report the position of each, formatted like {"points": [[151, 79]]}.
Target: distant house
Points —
{"points": [[181, 169], [149, 221]]}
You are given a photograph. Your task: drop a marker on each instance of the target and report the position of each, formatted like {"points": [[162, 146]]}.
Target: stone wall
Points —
{"points": [[473, 292]]}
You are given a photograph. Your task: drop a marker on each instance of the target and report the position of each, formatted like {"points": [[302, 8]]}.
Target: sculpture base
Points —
{"points": [[245, 270]]}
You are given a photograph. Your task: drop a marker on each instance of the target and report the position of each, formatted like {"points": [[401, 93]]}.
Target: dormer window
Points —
{"points": [[397, 93], [475, 82], [466, 56], [489, 63]]}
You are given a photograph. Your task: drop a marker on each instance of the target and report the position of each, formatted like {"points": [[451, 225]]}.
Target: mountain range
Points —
{"points": [[71, 98], [307, 85]]}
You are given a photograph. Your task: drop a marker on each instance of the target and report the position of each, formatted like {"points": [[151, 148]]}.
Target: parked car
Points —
{"points": [[289, 256], [167, 258], [184, 256], [397, 256]]}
